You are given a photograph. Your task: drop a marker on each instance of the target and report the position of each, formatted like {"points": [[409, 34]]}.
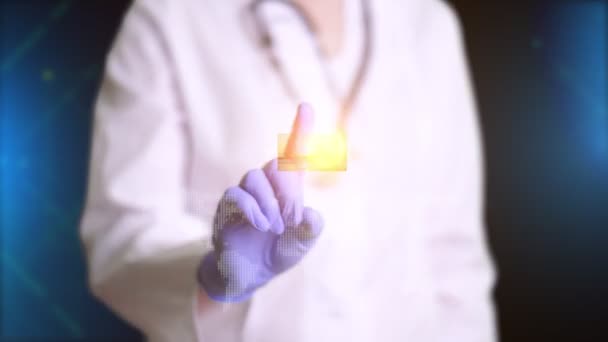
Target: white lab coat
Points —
{"points": [[189, 103]]}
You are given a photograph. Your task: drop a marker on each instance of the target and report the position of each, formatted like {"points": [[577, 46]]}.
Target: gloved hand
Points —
{"points": [[261, 227]]}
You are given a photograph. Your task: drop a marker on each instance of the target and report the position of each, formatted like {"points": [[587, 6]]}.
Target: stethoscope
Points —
{"points": [[348, 101]]}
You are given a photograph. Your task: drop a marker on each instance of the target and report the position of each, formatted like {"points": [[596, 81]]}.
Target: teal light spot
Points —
{"points": [[60, 10], [48, 75]]}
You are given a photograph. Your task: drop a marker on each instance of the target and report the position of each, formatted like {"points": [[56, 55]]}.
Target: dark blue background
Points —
{"points": [[540, 76]]}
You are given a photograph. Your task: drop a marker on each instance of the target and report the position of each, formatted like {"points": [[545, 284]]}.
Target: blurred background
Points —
{"points": [[540, 73]]}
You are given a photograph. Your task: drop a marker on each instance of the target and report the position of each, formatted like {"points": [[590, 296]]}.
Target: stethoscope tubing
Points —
{"points": [[348, 102]]}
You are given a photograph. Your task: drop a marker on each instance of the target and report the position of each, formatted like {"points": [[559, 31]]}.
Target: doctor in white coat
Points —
{"points": [[195, 94]]}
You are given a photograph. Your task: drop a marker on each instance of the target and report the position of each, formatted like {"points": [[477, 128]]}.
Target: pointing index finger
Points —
{"points": [[301, 130]]}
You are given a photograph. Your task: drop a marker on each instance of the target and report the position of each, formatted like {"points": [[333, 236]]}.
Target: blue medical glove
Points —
{"points": [[261, 227]]}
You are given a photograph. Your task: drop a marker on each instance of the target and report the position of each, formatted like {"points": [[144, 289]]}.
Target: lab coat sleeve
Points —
{"points": [[461, 268], [142, 246]]}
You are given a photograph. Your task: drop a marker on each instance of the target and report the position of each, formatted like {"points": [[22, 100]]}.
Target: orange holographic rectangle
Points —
{"points": [[324, 152]]}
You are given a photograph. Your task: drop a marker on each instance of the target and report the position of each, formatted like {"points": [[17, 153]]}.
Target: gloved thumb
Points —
{"points": [[310, 228], [295, 242]]}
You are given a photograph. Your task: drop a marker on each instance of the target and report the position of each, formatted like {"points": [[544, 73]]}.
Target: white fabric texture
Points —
{"points": [[190, 102]]}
